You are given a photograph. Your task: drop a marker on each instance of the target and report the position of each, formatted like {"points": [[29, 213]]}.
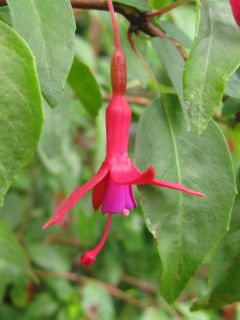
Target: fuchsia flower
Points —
{"points": [[113, 184], [235, 4]]}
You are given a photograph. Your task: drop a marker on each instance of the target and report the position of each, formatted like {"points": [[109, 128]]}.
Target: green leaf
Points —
{"points": [[160, 3], [61, 288], [100, 147], [213, 58], [14, 209], [11, 252], [141, 5], [85, 52], [225, 270], [20, 106], [49, 28], [233, 85], [173, 63], [151, 313], [56, 147], [175, 33], [20, 292], [8, 312], [5, 15], [95, 296], [49, 257], [8, 275], [186, 228], [44, 306], [230, 107], [85, 86]]}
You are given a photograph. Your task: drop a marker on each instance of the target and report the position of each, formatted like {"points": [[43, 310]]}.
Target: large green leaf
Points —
{"points": [[225, 270], [213, 58], [20, 106], [85, 86], [49, 28], [11, 252], [186, 228]]}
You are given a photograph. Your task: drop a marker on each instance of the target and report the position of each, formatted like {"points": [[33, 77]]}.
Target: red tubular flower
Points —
{"points": [[113, 183], [235, 4]]}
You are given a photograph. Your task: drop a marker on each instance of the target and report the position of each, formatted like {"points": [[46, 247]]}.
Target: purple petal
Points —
{"points": [[118, 197], [130, 201]]}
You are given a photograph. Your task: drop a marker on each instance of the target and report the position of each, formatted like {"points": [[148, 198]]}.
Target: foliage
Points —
{"points": [[185, 122], [181, 223]]}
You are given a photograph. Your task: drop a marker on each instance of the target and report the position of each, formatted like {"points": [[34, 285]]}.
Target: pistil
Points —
{"points": [[125, 212], [89, 256]]}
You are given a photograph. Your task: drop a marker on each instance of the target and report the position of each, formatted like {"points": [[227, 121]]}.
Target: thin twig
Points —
{"points": [[111, 289], [172, 6], [72, 242], [159, 33], [141, 284]]}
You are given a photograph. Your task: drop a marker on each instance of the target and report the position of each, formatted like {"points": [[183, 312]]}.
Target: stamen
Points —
{"points": [[125, 212], [89, 256]]}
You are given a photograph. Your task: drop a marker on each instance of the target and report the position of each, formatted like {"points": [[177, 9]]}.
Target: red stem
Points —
{"points": [[114, 24], [101, 243]]}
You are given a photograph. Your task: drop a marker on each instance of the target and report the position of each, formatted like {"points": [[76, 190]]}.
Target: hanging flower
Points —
{"points": [[235, 4], [113, 184]]}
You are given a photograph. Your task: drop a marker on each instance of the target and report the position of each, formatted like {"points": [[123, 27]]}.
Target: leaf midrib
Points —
{"points": [[206, 66], [180, 241], [38, 17]]}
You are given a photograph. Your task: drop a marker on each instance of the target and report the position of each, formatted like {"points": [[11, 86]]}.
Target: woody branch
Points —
{"points": [[139, 21]]}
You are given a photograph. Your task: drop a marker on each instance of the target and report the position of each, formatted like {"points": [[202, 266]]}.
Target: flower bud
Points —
{"points": [[118, 73]]}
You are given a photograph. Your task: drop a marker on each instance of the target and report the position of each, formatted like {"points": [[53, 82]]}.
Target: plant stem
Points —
{"points": [[114, 25], [141, 284], [172, 6], [159, 33], [139, 21], [113, 290]]}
